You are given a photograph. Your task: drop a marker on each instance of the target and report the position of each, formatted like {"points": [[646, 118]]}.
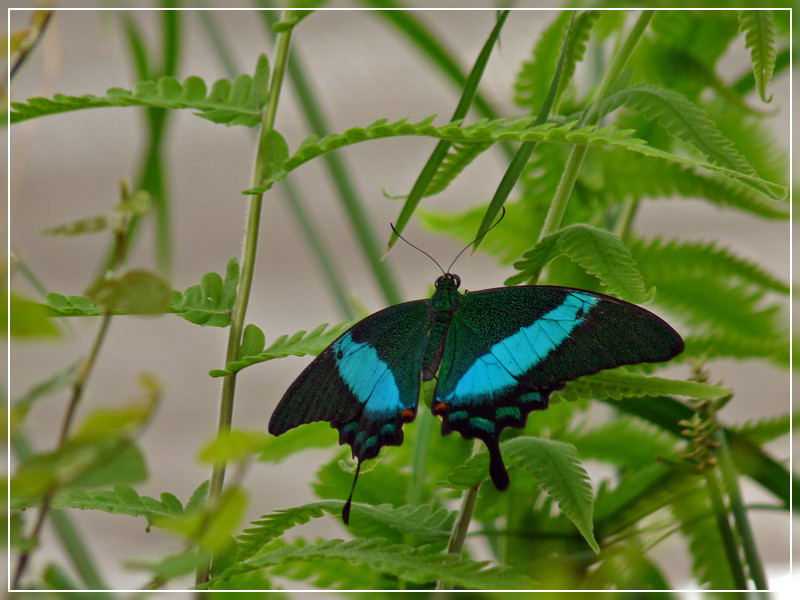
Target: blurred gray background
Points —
{"points": [[68, 166]]}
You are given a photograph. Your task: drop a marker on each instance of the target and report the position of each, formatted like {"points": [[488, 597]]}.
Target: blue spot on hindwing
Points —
{"points": [[494, 373], [367, 376]]}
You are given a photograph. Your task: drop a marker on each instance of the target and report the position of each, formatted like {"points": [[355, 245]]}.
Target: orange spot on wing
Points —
{"points": [[407, 414], [440, 408]]}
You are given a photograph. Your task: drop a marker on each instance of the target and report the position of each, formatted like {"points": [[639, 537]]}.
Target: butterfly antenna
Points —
{"points": [[346, 508], [496, 223], [397, 233]]}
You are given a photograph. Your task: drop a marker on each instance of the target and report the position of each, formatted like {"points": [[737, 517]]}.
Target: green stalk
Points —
{"points": [[552, 223], [246, 275], [71, 540], [78, 386], [422, 438], [349, 197], [725, 530], [729, 479], [313, 237], [75, 398]]}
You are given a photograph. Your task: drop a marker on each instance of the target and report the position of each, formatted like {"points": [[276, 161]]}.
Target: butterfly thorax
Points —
{"points": [[440, 314]]}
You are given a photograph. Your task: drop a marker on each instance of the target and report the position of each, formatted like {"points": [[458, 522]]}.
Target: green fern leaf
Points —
{"points": [[509, 130], [230, 104], [210, 303], [458, 158], [618, 383], [420, 521], [759, 29], [682, 120], [123, 499], [675, 259], [136, 292], [499, 130], [72, 306], [299, 344], [706, 545], [511, 245], [530, 87], [599, 252], [311, 435], [765, 430], [416, 565], [328, 575], [638, 177], [638, 494], [576, 46], [718, 344], [627, 443], [711, 305], [555, 465]]}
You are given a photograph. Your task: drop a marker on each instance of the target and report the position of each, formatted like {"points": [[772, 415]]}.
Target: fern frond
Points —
{"points": [[675, 259], [298, 344], [638, 494], [420, 521], [502, 129], [710, 304], [209, 303], [458, 158], [599, 252], [732, 344], [411, 564], [618, 383], [759, 29], [516, 238], [229, 103], [72, 306], [766, 429], [706, 545], [576, 46], [555, 465], [682, 120], [123, 499], [627, 443], [530, 87], [639, 177]]}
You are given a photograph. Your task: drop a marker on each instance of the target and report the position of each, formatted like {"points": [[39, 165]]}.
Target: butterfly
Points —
{"points": [[496, 354]]}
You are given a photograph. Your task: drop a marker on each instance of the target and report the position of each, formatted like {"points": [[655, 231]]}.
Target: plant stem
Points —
{"points": [[349, 197], [552, 223], [69, 536], [246, 276], [75, 398], [725, 530], [729, 475], [419, 454]]}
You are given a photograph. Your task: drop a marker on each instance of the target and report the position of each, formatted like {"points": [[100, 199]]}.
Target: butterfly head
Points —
{"points": [[448, 281]]}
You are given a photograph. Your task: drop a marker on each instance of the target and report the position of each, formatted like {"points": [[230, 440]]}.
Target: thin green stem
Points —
{"points": [[75, 398], [725, 530], [424, 426], [71, 540], [729, 479], [349, 197], [239, 309], [624, 220], [311, 232], [567, 183]]}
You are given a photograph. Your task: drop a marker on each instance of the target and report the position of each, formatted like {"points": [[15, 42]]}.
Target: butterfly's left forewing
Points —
{"points": [[508, 349], [366, 383]]}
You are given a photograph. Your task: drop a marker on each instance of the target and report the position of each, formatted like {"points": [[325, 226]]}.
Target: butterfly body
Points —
{"points": [[496, 354]]}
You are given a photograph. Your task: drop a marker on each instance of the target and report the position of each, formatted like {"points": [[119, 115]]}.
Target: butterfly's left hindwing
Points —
{"points": [[366, 383], [508, 349]]}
